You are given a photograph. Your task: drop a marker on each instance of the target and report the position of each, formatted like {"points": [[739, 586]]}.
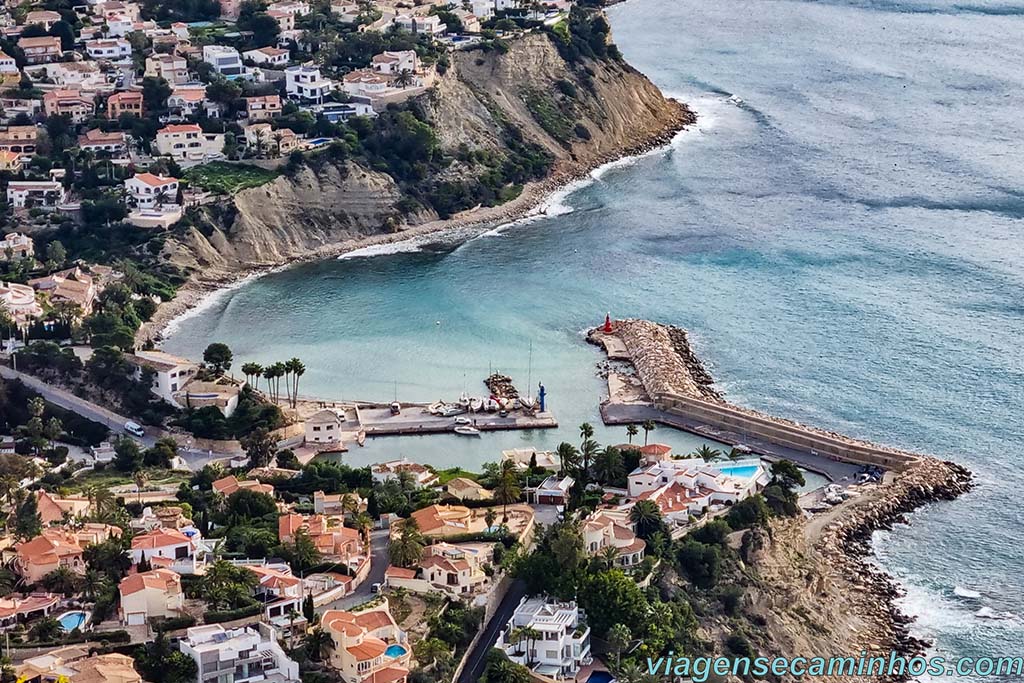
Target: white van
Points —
{"points": [[134, 429]]}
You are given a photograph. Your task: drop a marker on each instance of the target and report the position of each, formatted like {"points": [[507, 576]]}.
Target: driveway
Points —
{"points": [[477, 658], [378, 565]]}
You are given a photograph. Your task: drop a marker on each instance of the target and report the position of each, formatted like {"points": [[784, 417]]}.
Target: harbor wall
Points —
{"points": [[784, 433]]}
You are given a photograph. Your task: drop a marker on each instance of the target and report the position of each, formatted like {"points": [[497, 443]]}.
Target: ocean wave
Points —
{"points": [[209, 300], [413, 244]]}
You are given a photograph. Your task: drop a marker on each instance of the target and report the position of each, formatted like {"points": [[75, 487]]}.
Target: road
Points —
{"points": [[196, 459], [378, 565], [477, 658]]}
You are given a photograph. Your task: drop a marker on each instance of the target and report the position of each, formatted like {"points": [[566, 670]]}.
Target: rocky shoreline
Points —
{"points": [[846, 544], [204, 284]]}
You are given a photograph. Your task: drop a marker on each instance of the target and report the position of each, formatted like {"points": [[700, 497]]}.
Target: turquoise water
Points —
{"points": [[394, 651], [72, 620], [743, 471], [844, 244]]}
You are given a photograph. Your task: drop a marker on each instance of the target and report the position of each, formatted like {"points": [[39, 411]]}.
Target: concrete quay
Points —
{"points": [[416, 420]]}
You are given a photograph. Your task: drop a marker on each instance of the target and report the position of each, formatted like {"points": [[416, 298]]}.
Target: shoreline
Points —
{"points": [[201, 291]]}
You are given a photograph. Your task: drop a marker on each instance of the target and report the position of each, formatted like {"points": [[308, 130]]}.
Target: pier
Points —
{"points": [[416, 419]]}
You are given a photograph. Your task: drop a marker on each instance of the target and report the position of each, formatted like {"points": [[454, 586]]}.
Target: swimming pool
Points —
{"points": [[394, 651], [739, 471], [72, 620], [600, 677]]}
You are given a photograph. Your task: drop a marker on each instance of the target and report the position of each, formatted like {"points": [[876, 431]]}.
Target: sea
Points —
{"points": [[842, 232]]}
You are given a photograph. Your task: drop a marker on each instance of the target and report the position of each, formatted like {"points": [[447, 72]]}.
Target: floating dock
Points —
{"points": [[416, 420]]}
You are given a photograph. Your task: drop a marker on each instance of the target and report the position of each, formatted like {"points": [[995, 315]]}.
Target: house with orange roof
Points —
{"points": [[225, 486], [95, 140], [676, 502], [78, 664], [728, 481], [368, 646], [655, 452], [150, 191], [438, 521], [338, 503], [453, 569], [41, 50], [73, 285], [127, 102], [10, 161], [421, 474], [332, 538], [613, 529], [72, 103], [172, 549], [152, 594], [46, 552], [281, 593], [53, 509], [15, 609]]}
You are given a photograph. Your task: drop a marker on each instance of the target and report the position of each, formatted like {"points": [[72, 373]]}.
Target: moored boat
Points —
{"points": [[467, 430]]}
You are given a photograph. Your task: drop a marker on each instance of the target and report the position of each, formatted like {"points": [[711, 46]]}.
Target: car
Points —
{"points": [[375, 588], [134, 428]]}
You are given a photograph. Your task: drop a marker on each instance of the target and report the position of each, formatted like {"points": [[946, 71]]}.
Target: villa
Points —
{"points": [[44, 194], [453, 569], [268, 56], [46, 552], [281, 594], [76, 663], [552, 491], [152, 594], [188, 142], [304, 82], [16, 245], [53, 509], [126, 102], [171, 68], [19, 301], [71, 103], [324, 427], [420, 474], [368, 646], [467, 489], [606, 529], [250, 654], [332, 538], [95, 140], [335, 504], [225, 486], [170, 549], [149, 191], [262, 108], [563, 646], [15, 609], [41, 50], [170, 373], [72, 285], [725, 483], [438, 521]]}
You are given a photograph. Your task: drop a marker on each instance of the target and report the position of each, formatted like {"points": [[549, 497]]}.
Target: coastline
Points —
{"points": [[202, 289]]}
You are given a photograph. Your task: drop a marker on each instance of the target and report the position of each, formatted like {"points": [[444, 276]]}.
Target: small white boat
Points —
{"points": [[735, 99], [492, 405], [467, 430], [476, 404], [435, 408], [526, 402], [452, 411], [464, 400], [396, 408], [463, 421]]}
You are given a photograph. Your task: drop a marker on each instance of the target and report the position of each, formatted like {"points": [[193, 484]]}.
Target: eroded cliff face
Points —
{"points": [[612, 110]]}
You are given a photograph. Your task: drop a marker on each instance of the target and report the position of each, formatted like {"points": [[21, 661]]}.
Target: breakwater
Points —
{"points": [[681, 394]]}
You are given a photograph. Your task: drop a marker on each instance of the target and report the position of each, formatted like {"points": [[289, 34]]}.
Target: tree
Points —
{"points": [[159, 662], [56, 255], [631, 431], [568, 457], [608, 465], [403, 79], [308, 608], [304, 553], [318, 644], [140, 478], [507, 488], [611, 597], [227, 586], [61, 580], [501, 669], [287, 460], [46, 630], [707, 453], [406, 547], [260, 446], [127, 454], [586, 432], [618, 640], [27, 523], [648, 427], [646, 517], [218, 356], [252, 372], [749, 512], [296, 368], [162, 453]]}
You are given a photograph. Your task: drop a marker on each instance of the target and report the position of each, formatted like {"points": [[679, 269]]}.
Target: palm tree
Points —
{"points": [[489, 518], [586, 432], [646, 517], [403, 78], [568, 457], [707, 453], [140, 478], [608, 557], [618, 640], [406, 548], [318, 644], [588, 450], [252, 372], [362, 523], [297, 369], [648, 427], [292, 616], [631, 431], [93, 583], [507, 489], [61, 580], [608, 465]]}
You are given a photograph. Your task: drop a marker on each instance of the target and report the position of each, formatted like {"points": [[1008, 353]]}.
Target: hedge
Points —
{"points": [[232, 614], [172, 623]]}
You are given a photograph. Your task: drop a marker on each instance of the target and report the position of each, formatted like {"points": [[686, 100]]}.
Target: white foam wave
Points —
{"points": [[209, 300], [966, 593], [410, 245]]}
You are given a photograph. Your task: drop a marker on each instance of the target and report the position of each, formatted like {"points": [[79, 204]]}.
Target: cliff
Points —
{"points": [[582, 113]]}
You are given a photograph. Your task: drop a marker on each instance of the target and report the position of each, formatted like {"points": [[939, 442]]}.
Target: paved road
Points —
{"points": [[477, 658], [638, 413], [378, 565], [195, 459]]}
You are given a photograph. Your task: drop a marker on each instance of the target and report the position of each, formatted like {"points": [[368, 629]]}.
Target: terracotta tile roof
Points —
{"points": [[392, 674], [369, 649], [156, 579], [159, 538], [154, 180], [400, 572], [181, 128], [374, 619]]}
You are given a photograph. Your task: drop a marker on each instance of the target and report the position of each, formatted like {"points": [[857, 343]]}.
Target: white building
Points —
{"points": [[188, 142], [563, 646], [268, 56], [15, 245], [304, 82], [171, 68], [296, 8], [35, 193], [149, 191], [251, 654], [395, 62], [421, 475], [430, 25], [114, 50], [225, 60], [171, 373], [324, 427], [19, 301], [180, 550], [613, 529], [724, 482], [147, 595]]}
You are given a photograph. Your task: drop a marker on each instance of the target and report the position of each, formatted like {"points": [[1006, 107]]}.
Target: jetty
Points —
{"points": [[416, 419], [653, 374]]}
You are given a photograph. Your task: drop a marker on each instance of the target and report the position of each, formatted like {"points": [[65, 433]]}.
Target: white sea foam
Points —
{"points": [[966, 593], [209, 300], [410, 245]]}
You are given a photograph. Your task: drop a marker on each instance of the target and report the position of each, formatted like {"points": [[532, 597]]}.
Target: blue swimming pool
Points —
{"points": [[741, 471], [72, 620], [600, 677], [395, 651]]}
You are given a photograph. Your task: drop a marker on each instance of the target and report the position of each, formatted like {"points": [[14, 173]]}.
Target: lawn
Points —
{"points": [[445, 476], [225, 178], [109, 477]]}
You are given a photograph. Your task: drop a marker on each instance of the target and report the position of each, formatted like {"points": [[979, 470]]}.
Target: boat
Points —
{"points": [[476, 404], [467, 430], [464, 400], [361, 438], [966, 593], [492, 405], [452, 411], [396, 408], [505, 403], [463, 421], [526, 402], [735, 99], [435, 408]]}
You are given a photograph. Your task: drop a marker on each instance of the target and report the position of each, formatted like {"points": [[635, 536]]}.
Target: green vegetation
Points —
{"points": [[555, 117], [224, 178]]}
